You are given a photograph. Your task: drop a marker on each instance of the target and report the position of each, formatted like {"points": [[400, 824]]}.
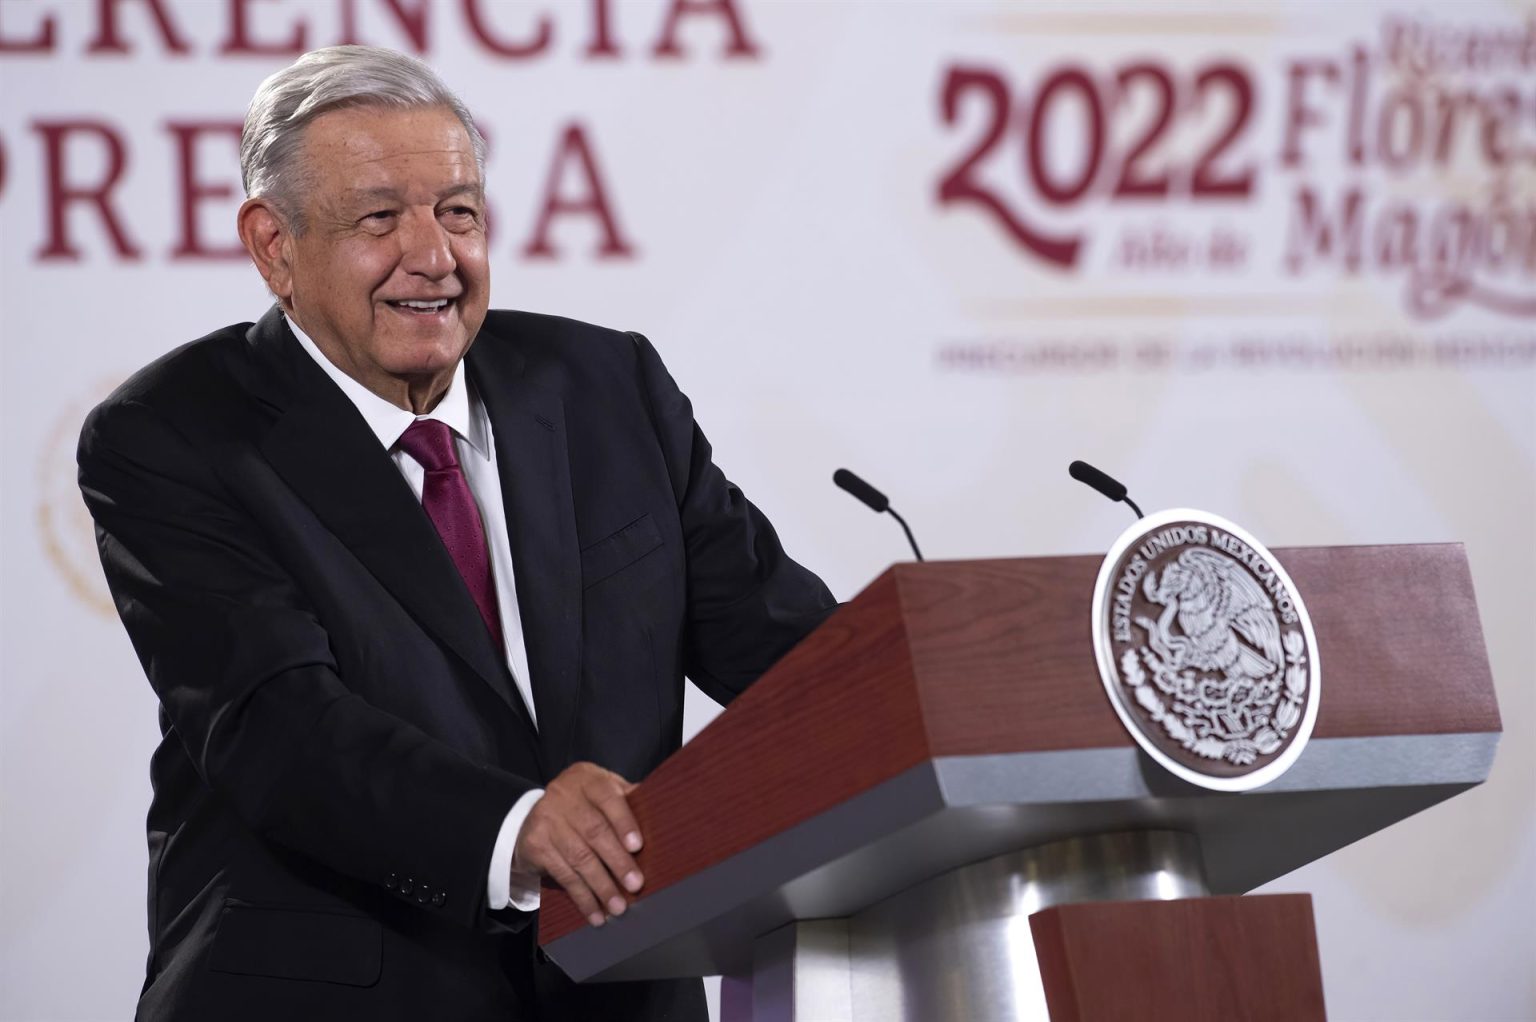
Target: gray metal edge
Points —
{"points": [[1113, 774]]}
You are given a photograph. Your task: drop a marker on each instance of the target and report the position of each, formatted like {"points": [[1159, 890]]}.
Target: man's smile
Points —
{"points": [[428, 309]]}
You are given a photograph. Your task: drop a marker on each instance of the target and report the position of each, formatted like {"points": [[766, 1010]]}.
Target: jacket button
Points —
{"points": [[438, 899], [421, 897], [391, 882], [407, 886], [543, 956]]}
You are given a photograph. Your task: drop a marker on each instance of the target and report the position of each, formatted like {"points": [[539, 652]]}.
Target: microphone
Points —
{"points": [[874, 500], [1107, 485]]}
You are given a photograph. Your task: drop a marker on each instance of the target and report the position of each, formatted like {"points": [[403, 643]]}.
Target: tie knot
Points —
{"points": [[430, 442]]}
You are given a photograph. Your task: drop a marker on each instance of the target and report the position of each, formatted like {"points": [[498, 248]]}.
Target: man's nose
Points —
{"points": [[424, 246]]}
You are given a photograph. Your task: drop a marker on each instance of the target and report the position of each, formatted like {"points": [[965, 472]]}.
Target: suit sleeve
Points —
{"points": [[246, 680], [749, 602]]}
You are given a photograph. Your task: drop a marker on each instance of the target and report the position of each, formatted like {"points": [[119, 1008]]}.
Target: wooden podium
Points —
{"points": [[929, 810]]}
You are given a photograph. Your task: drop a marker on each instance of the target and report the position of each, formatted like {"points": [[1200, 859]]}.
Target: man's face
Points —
{"points": [[390, 277]]}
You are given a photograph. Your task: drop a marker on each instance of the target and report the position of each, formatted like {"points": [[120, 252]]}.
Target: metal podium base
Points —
{"points": [[958, 947]]}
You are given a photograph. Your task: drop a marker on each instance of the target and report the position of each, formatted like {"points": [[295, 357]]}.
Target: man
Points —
{"points": [[416, 586]]}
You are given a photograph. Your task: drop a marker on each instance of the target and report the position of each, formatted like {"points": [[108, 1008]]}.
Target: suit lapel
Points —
{"points": [[322, 447], [533, 462]]}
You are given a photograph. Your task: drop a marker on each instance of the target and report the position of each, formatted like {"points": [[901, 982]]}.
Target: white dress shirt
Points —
{"points": [[462, 411]]}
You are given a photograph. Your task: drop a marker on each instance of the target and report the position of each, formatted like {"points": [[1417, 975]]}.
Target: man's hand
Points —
{"points": [[580, 835]]}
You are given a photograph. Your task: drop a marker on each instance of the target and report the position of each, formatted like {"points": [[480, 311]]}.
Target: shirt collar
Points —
{"points": [[460, 408]]}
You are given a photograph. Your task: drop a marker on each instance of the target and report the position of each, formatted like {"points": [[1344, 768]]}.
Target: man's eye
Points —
{"points": [[380, 215]]}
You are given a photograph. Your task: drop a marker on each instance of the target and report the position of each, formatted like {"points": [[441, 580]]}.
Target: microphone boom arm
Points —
{"points": [[915, 551]]}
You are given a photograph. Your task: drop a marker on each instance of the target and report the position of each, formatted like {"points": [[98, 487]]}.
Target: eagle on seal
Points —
{"points": [[1227, 620]]}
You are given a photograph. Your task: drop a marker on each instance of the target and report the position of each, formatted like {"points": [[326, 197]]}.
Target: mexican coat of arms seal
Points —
{"points": [[1205, 650]]}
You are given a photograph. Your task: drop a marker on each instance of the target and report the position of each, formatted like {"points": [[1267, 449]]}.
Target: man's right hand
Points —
{"points": [[581, 835]]}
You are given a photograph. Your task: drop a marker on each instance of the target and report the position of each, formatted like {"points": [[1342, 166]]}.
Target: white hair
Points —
{"points": [[272, 140]]}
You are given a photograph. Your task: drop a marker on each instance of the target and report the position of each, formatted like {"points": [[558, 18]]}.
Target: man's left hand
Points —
{"points": [[581, 835]]}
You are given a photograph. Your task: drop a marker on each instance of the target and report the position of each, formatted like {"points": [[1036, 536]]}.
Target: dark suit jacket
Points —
{"points": [[340, 738]]}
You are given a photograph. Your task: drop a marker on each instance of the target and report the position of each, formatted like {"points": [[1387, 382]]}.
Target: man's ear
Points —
{"points": [[267, 237]]}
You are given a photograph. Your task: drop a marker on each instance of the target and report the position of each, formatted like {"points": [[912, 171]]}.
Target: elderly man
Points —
{"points": [[416, 585]]}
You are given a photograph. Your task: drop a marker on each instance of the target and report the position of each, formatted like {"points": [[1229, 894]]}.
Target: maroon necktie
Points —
{"points": [[447, 501]]}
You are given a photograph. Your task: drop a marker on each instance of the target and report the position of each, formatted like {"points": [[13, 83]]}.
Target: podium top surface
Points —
{"points": [[953, 711]]}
